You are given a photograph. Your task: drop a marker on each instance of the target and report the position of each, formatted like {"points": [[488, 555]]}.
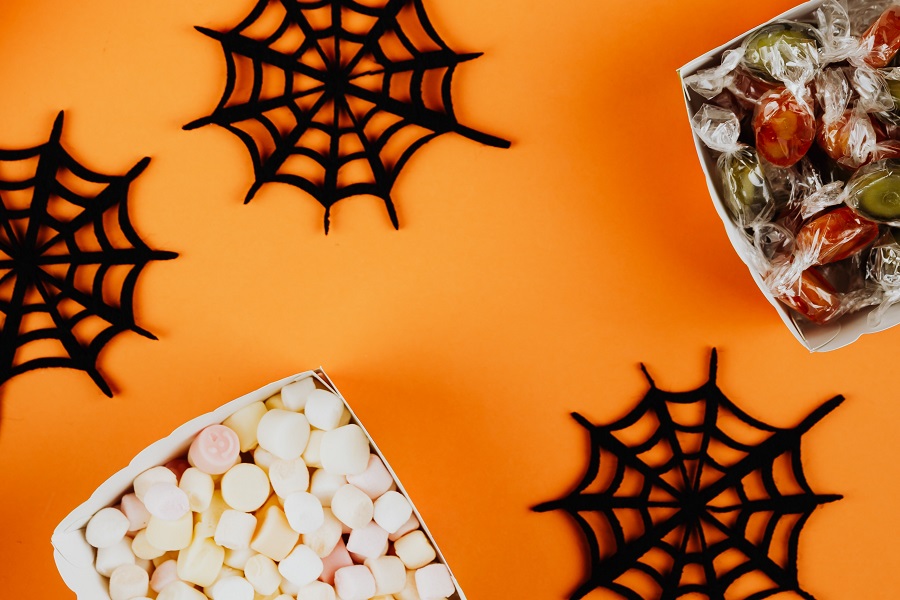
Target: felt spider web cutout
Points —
{"points": [[335, 96], [69, 260], [688, 494]]}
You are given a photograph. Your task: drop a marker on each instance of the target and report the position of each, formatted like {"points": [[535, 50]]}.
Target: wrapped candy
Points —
{"points": [[834, 236], [813, 297], [874, 192], [882, 39], [883, 270], [846, 134], [747, 195], [781, 46]]}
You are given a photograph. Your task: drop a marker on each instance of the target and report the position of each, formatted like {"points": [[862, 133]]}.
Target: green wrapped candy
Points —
{"points": [[892, 116], [779, 43], [746, 193], [874, 192]]}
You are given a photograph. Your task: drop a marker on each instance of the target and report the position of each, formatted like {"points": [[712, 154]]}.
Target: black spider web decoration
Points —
{"points": [[341, 94], [67, 280], [687, 508]]}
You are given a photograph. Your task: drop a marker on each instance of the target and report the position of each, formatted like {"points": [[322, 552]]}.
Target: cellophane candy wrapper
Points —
{"points": [[75, 558], [797, 125]]}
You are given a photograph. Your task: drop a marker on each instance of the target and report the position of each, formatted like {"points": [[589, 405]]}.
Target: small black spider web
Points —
{"points": [[41, 252], [677, 490], [312, 86]]}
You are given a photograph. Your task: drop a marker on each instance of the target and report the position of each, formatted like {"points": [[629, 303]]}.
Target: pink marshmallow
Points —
{"points": [[408, 527], [375, 480], [354, 583], [167, 501], [368, 542], [215, 450], [137, 514], [338, 559], [164, 574], [434, 583]]}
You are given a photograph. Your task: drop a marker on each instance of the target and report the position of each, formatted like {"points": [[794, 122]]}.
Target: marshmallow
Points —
{"points": [[127, 582], [370, 541], [289, 476], [338, 559], [392, 511], [112, 557], [167, 501], [170, 535], [274, 536], [345, 450], [237, 559], [208, 520], [283, 433], [164, 574], [389, 573], [294, 395], [375, 480], [354, 583], [274, 401], [235, 530], [304, 512], [410, 525], [288, 588], [262, 573], [312, 456], [215, 449], [316, 590], [263, 459], [324, 539], [324, 410], [245, 487], [414, 550], [409, 592], [199, 487], [244, 423], [301, 567], [148, 478], [200, 562], [106, 528], [323, 485], [352, 507], [144, 549], [434, 583], [137, 513], [345, 418], [232, 588], [179, 590]]}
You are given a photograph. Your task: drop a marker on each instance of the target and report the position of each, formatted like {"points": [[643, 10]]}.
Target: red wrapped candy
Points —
{"points": [[884, 37], [813, 297], [785, 127], [835, 236]]}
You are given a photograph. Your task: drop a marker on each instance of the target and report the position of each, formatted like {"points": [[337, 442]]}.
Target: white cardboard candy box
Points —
{"points": [[75, 557], [817, 338]]}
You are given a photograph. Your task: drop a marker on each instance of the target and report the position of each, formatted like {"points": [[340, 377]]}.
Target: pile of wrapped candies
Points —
{"points": [[284, 500], [805, 118]]}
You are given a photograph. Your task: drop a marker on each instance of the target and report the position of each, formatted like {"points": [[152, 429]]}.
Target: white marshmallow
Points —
{"points": [[244, 423], [389, 573], [289, 476], [106, 528], [200, 562], [352, 507], [137, 513], [311, 456], [170, 535], [368, 542], [232, 588], [345, 450], [301, 567], [274, 401], [127, 582], [354, 583], [262, 573], [304, 512], [237, 559], [274, 536], [150, 477], [163, 575], [323, 485], [112, 557], [289, 588], [392, 511], [283, 433], [199, 487], [144, 549], [411, 525], [316, 590], [245, 487], [433, 582], [294, 395], [375, 480], [414, 550], [208, 520], [409, 592], [179, 590], [235, 530], [324, 410], [263, 458], [324, 539]]}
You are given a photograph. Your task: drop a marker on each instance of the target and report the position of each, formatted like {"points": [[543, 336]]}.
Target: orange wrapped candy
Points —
{"points": [[836, 235], [884, 36], [813, 297], [785, 127]]}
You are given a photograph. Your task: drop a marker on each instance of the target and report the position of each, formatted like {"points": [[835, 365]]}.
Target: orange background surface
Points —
{"points": [[522, 285]]}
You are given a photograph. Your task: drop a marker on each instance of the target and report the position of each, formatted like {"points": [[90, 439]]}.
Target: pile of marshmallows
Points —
{"points": [[210, 526]]}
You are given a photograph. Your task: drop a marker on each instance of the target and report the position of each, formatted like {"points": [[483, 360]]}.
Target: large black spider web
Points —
{"points": [[343, 84], [693, 510], [57, 252]]}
